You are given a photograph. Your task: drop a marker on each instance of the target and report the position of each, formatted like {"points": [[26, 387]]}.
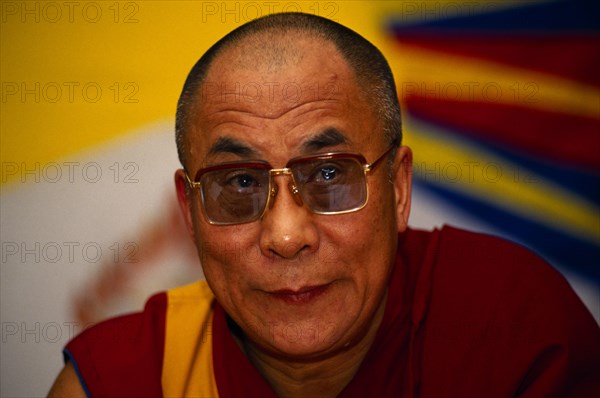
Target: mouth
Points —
{"points": [[300, 296]]}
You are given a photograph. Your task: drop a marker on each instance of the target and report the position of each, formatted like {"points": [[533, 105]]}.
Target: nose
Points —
{"points": [[287, 227]]}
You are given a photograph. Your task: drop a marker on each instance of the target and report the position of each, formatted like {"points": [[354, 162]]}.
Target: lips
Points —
{"points": [[300, 296]]}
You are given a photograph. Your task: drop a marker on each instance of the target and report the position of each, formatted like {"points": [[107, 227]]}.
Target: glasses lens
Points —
{"points": [[235, 195], [331, 185]]}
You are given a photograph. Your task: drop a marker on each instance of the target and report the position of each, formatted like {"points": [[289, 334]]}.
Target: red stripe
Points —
{"points": [[575, 57], [556, 137]]}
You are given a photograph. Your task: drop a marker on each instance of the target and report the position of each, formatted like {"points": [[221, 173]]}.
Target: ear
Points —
{"points": [[184, 201], [402, 180]]}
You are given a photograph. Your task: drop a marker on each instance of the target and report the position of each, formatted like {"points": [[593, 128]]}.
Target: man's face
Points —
{"points": [[299, 284]]}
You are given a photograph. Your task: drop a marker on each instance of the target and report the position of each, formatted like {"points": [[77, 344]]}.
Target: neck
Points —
{"points": [[325, 377]]}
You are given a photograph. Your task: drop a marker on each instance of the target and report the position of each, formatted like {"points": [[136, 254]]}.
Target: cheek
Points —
{"points": [[225, 254], [363, 241], [372, 224], [367, 238]]}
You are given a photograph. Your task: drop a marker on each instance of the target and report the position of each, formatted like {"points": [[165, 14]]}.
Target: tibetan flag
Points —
{"points": [[502, 109]]}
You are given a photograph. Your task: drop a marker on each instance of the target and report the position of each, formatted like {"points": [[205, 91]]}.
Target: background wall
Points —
{"points": [[501, 104]]}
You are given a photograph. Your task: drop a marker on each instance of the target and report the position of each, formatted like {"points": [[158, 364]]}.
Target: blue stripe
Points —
{"points": [[585, 183], [557, 246], [568, 15], [69, 358]]}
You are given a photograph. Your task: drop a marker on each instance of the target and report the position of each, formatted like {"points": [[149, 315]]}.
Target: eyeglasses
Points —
{"points": [[240, 192]]}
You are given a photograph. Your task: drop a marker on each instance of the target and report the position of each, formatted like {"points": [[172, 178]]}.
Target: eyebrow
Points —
{"points": [[231, 145], [329, 137]]}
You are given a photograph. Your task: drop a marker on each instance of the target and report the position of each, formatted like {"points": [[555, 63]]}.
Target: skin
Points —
{"points": [[311, 346], [67, 384]]}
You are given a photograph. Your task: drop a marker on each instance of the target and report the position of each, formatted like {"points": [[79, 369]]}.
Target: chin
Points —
{"points": [[301, 339], [304, 343]]}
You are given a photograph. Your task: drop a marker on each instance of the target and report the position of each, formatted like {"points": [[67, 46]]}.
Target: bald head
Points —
{"points": [[265, 51], [270, 44]]}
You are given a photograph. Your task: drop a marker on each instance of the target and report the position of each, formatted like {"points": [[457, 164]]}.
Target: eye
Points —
{"points": [[328, 173], [325, 174], [242, 180]]}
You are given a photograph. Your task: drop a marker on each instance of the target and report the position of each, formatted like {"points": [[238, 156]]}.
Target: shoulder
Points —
{"points": [[461, 267], [123, 356], [491, 264], [458, 245], [500, 316], [131, 331], [492, 277], [117, 356], [126, 328]]}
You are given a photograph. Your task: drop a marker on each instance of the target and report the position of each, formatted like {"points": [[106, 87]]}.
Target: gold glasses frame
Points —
{"points": [[292, 186]]}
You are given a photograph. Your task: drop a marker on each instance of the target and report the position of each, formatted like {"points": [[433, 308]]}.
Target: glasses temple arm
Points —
{"points": [[372, 166], [193, 184]]}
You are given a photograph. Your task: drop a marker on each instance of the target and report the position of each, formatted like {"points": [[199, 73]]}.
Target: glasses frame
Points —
{"points": [[287, 170]]}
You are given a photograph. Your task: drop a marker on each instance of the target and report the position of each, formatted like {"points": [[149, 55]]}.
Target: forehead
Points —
{"points": [[272, 75], [295, 85]]}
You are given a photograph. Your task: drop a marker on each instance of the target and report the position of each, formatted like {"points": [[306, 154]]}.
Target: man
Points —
{"points": [[296, 191]]}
